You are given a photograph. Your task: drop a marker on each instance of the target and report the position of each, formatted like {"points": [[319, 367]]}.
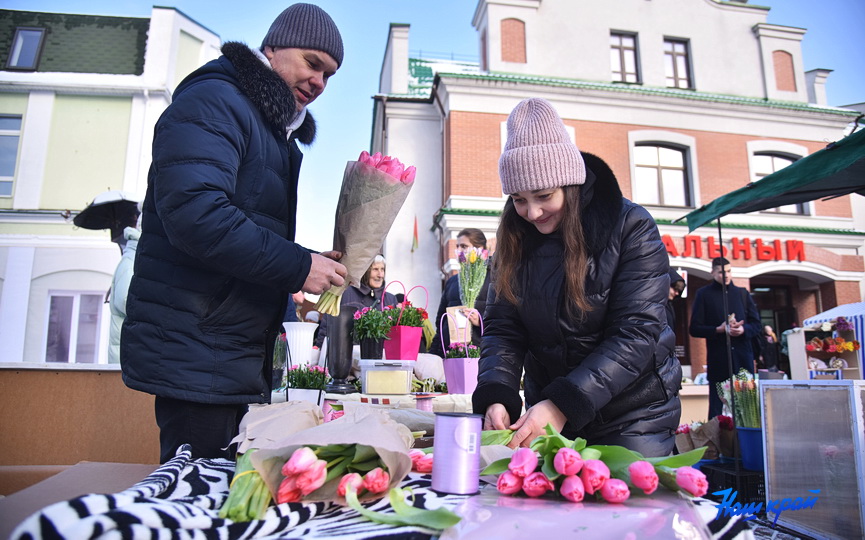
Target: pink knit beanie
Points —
{"points": [[538, 153]]}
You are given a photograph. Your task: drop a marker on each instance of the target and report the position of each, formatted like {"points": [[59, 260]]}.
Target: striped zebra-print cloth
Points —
{"points": [[181, 500]]}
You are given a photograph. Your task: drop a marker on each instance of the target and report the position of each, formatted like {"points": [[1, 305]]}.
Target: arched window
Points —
{"points": [[764, 164], [513, 41], [661, 175]]}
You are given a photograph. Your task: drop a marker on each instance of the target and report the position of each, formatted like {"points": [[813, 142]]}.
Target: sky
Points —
{"points": [[440, 28]]}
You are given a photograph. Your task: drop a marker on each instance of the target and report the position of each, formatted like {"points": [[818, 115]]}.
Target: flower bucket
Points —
{"points": [[298, 340], [751, 447], [461, 375], [371, 348], [305, 394], [403, 342]]}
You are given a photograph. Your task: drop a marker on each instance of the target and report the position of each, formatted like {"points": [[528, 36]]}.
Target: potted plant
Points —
{"points": [[371, 327], [306, 383], [461, 367]]}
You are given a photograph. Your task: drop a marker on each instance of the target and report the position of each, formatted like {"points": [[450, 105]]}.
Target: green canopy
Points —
{"points": [[838, 169]]}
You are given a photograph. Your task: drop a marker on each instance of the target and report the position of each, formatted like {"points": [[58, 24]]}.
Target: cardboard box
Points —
{"points": [[85, 477]]}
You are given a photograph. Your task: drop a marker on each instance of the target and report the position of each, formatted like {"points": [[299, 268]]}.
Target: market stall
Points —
{"points": [[824, 349]]}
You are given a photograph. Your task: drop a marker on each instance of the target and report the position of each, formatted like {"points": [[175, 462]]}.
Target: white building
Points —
{"points": [[79, 96], [685, 99]]}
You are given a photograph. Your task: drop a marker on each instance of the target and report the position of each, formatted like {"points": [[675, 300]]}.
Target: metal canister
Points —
{"points": [[457, 453]]}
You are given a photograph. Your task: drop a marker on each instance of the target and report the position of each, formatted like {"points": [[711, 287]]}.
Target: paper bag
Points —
{"points": [[459, 326]]}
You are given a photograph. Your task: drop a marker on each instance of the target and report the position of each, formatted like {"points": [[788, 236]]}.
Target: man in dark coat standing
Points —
{"points": [[217, 258], [708, 320]]}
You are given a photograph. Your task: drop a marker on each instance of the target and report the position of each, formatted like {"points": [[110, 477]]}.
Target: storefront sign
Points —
{"points": [[729, 507], [740, 248]]}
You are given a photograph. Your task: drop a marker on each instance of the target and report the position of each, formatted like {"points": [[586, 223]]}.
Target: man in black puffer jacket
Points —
{"points": [[217, 259], [606, 372]]}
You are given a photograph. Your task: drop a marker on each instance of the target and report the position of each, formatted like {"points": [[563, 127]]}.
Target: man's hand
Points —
{"points": [[496, 417], [324, 273], [531, 425]]}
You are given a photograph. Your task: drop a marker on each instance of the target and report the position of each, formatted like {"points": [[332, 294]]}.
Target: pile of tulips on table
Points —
{"points": [[364, 455]]}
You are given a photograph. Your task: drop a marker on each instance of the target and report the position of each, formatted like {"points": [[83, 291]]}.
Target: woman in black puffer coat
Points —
{"points": [[577, 300]]}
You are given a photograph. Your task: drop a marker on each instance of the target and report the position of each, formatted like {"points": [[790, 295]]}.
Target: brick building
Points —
{"points": [[686, 100]]}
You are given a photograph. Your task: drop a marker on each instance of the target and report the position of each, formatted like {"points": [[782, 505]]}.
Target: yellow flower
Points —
{"points": [[473, 257]]}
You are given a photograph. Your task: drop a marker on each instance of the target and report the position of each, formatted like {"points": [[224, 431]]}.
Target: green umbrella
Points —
{"points": [[838, 169]]}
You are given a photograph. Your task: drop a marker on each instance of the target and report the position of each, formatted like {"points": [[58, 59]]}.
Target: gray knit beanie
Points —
{"points": [[305, 26], [538, 153]]}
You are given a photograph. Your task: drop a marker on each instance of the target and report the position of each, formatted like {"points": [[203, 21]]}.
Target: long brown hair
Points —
{"points": [[510, 243]]}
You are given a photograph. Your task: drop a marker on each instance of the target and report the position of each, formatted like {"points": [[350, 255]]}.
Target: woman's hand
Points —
{"points": [[532, 424], [473, 315], [496, 417]]}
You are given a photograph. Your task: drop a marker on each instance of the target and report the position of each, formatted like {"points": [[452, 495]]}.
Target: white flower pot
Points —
{"points": [[298, 340], [305, 394]]}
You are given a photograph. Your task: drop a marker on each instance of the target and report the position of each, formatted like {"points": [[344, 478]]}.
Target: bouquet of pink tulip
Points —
{"points": [[374, 189], [556, 464]]}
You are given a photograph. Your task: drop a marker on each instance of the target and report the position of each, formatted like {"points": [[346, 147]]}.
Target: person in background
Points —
{"points": [[217, 258], [120, 286], [709, 321], [677, 285], [466, 239], [295, 305], [579, 284], [367, 294], [768, 354]]}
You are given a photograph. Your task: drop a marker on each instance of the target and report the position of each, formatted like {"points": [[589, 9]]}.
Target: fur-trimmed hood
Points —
{"points": [[264, 88], [601, 203]]}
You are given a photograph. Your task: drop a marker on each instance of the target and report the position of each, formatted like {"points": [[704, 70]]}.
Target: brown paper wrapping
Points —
{"points": [[269, 423], [365, 426], [369, 201]]}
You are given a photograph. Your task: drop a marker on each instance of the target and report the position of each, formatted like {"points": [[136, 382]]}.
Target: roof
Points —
{"points": [[81, 43], [422, 73]]}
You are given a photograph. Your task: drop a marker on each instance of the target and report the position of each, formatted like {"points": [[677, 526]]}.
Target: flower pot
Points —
{"points": [[371, 348], [751, 447], [298, 340], [461, 375], [305, 394], [403, 343]]}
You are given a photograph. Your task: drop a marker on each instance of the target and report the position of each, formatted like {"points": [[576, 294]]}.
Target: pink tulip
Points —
{"points": [[301, 460], [313, 478], [594, 474], [337, 414], [615, 491], [567, 461], [692, 481], [572, 489], [536, 484], [415, 456], [509, 483], [523, 462], [288, 491], [408, 175], [375, 159], [376, 480], [643, 476], [351, 479], [364, 157], [425, 464]]}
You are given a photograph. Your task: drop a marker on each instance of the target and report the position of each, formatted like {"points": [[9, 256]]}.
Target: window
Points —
{"points": [[676, 64], [73, 327], [766, 163], [660, 176], [10, 134], [623, 58], [26, 48]]}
